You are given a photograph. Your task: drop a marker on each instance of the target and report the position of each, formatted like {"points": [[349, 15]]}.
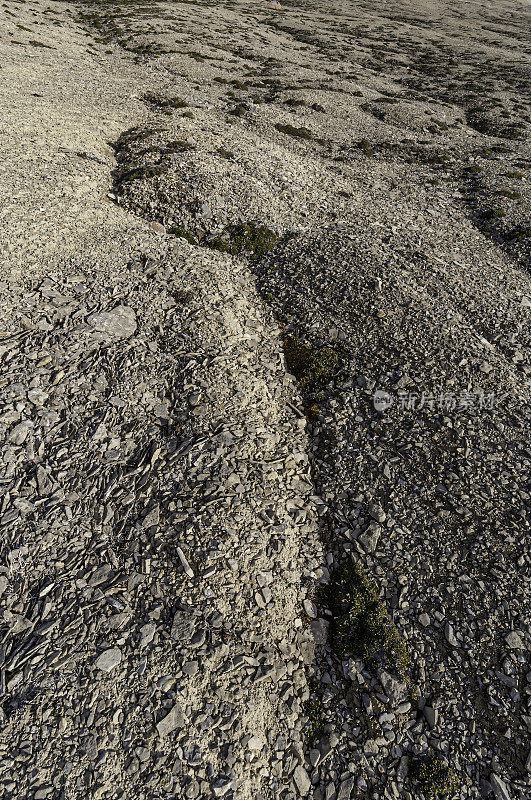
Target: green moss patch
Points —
{"points": [[361, 625], [291, 130], [520, 233], [316, 720], [182, 233], [365, 146], [434, 777], [178, 146], [510, 193], [313, 367], [142, 173], [246, 238], [159, 101], [493, 213]]}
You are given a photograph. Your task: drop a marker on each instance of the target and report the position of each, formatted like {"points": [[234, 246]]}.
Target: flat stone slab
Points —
{"points": [[109, 659], [120, 323], [171, 722]]}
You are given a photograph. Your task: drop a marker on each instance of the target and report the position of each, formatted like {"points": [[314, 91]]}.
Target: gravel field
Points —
{"points": [[264, 400]]}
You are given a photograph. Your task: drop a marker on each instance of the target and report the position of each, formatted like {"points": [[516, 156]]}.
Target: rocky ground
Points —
{"points": [[264, 400]]}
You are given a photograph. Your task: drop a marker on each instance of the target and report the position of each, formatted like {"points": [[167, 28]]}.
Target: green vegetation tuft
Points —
{"points": [[365, 146], [361, 625], [182, 233], [316, 720], [474, 169], [434, 777], [510, 193], [494, 213], [239, 110], [245, 238], [520, 233], [142, 173], [178, 146], [159, 101], [291, 130], [313, 367]]}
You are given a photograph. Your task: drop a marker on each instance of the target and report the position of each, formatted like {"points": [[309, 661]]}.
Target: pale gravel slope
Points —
{"points": [[58, 226], [196, 432]]}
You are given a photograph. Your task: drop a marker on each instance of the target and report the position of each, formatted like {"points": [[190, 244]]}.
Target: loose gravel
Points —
{"points": [[175, 506]]}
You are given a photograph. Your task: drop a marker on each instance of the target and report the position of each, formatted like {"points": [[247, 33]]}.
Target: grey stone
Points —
{"points": [[109, 659], [499, 788], [147, 632], [44, 482], [100, 575], [152, 518], [377, 513], [222, 786], [120, 323], [345, 789], [19, 433], [319, 628], [394, 689], [369, 539], [301, 780], [431, 715], [450, 635], [514, 641], [171, 722], [182, 628]]}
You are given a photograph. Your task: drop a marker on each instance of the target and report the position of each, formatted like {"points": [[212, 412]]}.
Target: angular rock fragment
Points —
{"points": [[171, 722], [120, 323]]}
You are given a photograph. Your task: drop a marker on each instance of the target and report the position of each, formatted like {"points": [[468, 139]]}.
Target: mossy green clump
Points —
{"points": [[238, 111], [219, 244], [316, 720], [182, 233], [313, 367], [361, 625], [291, 130], [257, 240], [520, 233], [142, 173], [510, 193], [182, 296], [365, 146], [159, 101], [178, 146], [494, 213], [245, 238], [434, 777]]}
